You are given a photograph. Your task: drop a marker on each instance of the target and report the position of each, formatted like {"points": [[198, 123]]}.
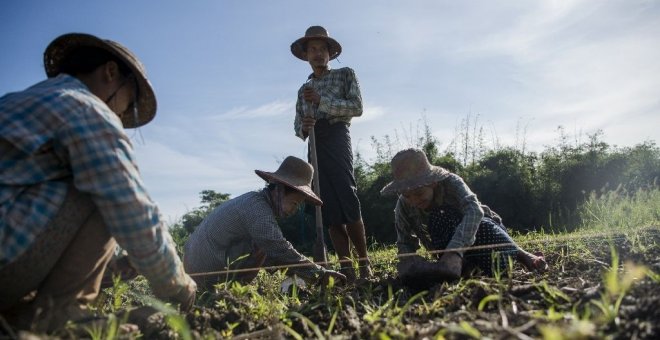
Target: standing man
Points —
{"points": [[70, 189], [327, 103]]}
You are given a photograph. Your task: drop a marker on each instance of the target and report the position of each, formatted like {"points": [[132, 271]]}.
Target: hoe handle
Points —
{"points": [[320, 254]]}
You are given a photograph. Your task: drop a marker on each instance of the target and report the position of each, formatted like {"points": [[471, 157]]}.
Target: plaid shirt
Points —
{"points": [[57, 132], [239, 226], [340, 98], [411, 223]]}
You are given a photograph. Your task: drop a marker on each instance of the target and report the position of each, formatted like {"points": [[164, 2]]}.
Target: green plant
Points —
{"points": [[173, 319], [616, 287]]}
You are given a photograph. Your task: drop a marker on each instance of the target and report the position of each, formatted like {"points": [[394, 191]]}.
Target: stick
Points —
{"points": [[320, 254], [319, 245]]}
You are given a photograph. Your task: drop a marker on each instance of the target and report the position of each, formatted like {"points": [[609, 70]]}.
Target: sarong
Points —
{"points": [[336, 178], [442, 226]]}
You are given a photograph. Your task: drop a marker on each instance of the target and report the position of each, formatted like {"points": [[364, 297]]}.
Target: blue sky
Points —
{"points": [[226, 81]]}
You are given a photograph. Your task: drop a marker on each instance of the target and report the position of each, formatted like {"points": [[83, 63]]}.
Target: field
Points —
{"points": [[598, 285], [602, 282]]}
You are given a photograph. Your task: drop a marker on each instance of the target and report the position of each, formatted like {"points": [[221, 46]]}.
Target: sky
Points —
{"points": [[226, 81]]}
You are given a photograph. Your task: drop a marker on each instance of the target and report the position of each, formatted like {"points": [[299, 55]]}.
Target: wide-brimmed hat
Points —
{"points": [[294, 173], [312, 33], [59, 49], [410, 170]]}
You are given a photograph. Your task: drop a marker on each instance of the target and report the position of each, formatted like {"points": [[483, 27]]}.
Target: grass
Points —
{"points": [[619, 209], [599, 274]]}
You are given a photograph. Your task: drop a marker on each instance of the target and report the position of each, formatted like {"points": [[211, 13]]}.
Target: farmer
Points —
{"points": [[70, 189], [244, 232], [327, 103], [437, 209]]}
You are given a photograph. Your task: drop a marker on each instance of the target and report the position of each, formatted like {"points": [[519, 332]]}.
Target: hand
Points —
{"points": [[124, 268], [310, 95], [340, 279], [186, 296], [118, 267], [308, 124], [452, 263], [407, 265]]}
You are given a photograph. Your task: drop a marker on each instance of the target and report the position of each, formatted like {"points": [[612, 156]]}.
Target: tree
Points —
{"points": [[182, 229]]}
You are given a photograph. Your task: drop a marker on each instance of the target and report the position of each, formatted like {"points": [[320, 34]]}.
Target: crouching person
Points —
{"points": [[70, 189], [437, 209], [244, 233]]}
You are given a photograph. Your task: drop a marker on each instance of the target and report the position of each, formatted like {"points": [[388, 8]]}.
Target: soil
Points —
{"points": [[563, 299], [571, 287]]}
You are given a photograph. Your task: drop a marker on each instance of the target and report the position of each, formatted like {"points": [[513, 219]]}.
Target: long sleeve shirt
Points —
{"points": [[412, 223], [340, 98], [239, 225], [55, 133]]}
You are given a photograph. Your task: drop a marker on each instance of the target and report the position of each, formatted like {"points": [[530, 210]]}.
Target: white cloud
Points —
{"points": [[174, 179], [272, 109], [583, 65], [369, 114], [580, 64]]}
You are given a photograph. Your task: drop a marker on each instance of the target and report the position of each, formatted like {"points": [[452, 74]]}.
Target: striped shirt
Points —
{"points": [[340, 98], [411, 222], [57, 132], [235, 228]]}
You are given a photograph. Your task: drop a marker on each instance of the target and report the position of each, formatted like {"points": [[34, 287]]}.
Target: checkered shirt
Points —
{"points": [[411, 223], [244, 223], [340, 98], [55, 133]]}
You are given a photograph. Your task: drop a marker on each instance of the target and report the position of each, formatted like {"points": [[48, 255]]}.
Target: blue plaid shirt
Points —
{"points": [[56, 132]]}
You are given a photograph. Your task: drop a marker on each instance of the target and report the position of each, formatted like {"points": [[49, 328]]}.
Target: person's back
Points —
{"points": [[225, 227], [33, 151], [243, 233], [70, 186]]}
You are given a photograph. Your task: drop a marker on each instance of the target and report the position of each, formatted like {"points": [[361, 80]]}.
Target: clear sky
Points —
{"points": [[226, 81]]}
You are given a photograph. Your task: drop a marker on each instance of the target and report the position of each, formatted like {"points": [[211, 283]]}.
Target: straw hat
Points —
{"points": [[312, 33], [294, 173], [58, 50], [410, 170]]}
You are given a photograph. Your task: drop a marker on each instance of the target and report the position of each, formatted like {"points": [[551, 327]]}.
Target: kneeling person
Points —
{"points": [[437, 209], [70, 189], [243, 232]]}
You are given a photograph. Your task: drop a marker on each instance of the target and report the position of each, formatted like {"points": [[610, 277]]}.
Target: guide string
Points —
{"points": [[546, 240]]}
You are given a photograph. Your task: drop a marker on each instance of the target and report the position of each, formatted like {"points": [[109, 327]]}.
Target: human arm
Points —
{"points": [[304, 121], [472, 213], [266, 234], [298, 120], [406, 240], [102, 163], [412, 266], [341, 97]]}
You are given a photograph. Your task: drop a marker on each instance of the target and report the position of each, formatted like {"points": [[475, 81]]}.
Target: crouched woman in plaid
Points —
{"points": [[437, 209]]}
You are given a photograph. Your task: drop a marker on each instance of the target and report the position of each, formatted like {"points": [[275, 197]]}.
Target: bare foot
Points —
{"points": [[532, 262], [349, 272], [365, 270]]}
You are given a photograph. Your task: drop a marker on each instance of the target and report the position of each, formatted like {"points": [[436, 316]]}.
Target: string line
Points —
{"points": [[547, 240]]}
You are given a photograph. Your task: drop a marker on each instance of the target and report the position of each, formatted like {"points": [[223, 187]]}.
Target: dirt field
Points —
{"points": [[574, 299]]}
